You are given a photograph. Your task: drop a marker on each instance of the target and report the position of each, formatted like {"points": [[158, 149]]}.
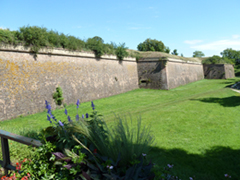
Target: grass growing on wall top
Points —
{"points": [[196, 126]]}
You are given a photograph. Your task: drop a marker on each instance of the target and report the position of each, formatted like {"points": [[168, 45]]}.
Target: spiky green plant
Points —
{"points": [[122, 138]]}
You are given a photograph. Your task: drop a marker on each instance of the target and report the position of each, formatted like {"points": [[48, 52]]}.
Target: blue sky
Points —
{"points": [[186, 25]]}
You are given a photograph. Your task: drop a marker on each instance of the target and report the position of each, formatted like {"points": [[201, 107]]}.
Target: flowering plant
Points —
{"points": [[16, 175]]}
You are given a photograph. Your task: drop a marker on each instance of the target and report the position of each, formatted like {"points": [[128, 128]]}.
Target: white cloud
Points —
{"points": [[235, 36], [193, 41], [2, 27], [219, 45]]}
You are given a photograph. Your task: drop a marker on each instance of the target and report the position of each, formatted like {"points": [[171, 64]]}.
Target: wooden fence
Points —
{"points": [[6, 163]]}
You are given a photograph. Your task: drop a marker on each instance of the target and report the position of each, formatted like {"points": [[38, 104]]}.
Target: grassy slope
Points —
{"points": [[196, 126]]}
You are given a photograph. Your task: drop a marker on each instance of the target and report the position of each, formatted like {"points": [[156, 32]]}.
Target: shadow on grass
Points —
{"points": [[31, 134], [230, 81], [231, 101], [211, 165]]}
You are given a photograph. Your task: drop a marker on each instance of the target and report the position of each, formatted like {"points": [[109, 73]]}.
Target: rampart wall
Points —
{"points": [[167, 74], [181, 73], [26, 82], [218, 71]]}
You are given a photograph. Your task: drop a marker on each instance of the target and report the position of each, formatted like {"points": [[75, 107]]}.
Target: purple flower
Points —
{"points": [[226, 175], [143, 154], [190, 178], [49, 119], [93, 106], [60, 123], [65, 111], [54, 118], [49, 111], [49, 107], [170, 166], [86, 115], [46, 104], [69, 119], [78, 103], [77, 117], [109, 167], [83, 116]]}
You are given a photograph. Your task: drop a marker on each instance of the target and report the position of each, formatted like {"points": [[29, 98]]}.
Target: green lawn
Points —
{"points": [[196, 126]]}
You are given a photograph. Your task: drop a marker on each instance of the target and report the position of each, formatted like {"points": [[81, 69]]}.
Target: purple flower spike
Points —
{"points": [[49, 119], [77, 117], [60, 123], [69, 119], [83, 116], [65, 111], [46, 103], [78, 103], [49, 107], [86, 115], [54, 118], [49, 111], [93, 106]]}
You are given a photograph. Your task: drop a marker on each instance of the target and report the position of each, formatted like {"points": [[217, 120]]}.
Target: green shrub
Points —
{"points": [[63, 40], [39, 37], [217, 60], [121, 51], [96, 45], [152, 45], [8, 37], [198, 54], [34, 37], [54, 39], [40, 164], [75, 44], [58, 96], [109, 48]]}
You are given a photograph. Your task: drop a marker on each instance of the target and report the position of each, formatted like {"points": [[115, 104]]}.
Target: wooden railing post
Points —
{"points": [[5, 153], [6, 163]]}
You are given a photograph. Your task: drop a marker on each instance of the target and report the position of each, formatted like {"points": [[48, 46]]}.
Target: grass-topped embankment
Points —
{"points": [[196, 126]]}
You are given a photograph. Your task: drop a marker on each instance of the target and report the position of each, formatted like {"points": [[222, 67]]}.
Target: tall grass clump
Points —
{"points": [[123, 138]]}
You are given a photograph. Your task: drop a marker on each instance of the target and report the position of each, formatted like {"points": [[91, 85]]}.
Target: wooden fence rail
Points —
{"points": [[6, 163]]}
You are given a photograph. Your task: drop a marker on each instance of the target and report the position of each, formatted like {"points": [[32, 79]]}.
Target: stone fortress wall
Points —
{"points": [[26, 81], [167, 74], [218, 71]]}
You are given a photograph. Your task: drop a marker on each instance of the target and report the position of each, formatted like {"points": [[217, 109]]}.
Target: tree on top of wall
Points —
{"points": [[153, 45], [217, 60], [198, 54], [232, 55], [175, 52], [96, 45]]}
